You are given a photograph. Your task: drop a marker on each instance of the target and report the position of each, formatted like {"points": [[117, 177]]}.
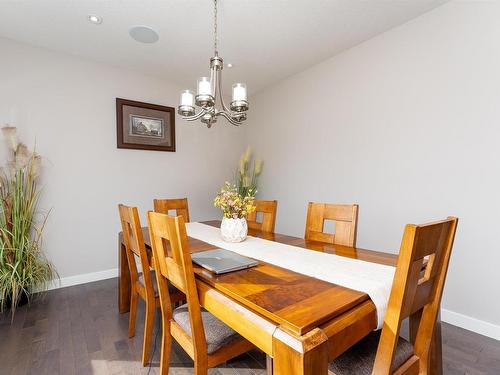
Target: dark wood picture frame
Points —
{"points": [[120, 125]]}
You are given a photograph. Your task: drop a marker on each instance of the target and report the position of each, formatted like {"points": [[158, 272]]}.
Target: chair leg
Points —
{"points": [[133, 313], [269, 365], [166, 347], [148, 331], [200, 368]]}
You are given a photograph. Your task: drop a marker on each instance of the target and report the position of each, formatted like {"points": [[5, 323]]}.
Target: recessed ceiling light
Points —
{"points": [[229, 65], [143, 34], [96, 20]]}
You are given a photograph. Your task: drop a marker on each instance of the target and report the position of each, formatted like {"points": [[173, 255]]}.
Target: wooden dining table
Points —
{"points": [[301, 322]]}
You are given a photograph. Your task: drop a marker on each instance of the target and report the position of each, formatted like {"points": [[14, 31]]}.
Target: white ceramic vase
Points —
{"points": [[233, 230]]}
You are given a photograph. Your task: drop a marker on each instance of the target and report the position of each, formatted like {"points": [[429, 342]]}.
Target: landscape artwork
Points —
{"points": [[144, 126]]}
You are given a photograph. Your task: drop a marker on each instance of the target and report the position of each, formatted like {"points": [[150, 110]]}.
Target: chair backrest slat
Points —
{"points": [[268, 210], [175, 274], [179, 205], [418, 286], [170, 247], [346, 222]]}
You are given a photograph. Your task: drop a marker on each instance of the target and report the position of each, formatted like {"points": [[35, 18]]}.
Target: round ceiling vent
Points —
{"points": [[144, 34]]}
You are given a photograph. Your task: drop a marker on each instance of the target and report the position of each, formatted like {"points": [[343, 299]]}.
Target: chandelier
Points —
{"points": [[209, 98]]}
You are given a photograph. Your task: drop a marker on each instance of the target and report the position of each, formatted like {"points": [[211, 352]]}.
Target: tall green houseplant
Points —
{"points": [[24, 269]]}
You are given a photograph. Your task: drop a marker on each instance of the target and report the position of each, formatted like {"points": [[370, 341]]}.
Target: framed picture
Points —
{"points": [[145, 126]]}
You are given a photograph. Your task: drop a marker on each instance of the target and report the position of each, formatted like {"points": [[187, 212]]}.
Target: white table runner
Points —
{"points": [[370, 278]]}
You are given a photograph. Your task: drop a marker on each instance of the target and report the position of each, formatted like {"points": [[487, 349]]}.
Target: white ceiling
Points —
{"points": [[266, 40]]}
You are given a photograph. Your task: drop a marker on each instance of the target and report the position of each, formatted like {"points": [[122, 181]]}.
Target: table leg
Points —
{"points": [[435, 364], [123, 278], [307, 355]]}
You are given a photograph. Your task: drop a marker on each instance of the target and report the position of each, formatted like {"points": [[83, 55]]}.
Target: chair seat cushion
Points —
{"points": [[172, 289], [359, 360], [217, 333]]}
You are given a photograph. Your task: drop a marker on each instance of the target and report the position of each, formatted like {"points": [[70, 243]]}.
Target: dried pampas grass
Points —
{"points": [[258, 167], [20, 155], [246, 179], [10, 135]]}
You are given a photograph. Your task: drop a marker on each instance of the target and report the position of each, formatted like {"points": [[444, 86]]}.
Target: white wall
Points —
{"points": [[408, 126], [69, 106]]}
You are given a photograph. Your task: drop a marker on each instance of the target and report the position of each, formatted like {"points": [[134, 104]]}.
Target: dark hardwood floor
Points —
{"points": [[78, 330]]}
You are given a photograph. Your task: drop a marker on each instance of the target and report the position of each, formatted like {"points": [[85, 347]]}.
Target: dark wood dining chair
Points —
{"points": [[179, 205], [207, 340], [268, 211], [143, 284], [345, 217], [417, 288]]}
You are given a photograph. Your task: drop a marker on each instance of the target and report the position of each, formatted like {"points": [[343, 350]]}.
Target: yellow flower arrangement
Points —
{"points": [[232, 204]]}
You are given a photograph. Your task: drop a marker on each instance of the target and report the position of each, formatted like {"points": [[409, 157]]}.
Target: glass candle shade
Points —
{"points": [[204, 86], [239, 92], [187, 98]]}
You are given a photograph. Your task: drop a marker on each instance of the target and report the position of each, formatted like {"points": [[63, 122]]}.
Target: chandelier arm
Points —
{"points": [[228, 117], [195, 117]]}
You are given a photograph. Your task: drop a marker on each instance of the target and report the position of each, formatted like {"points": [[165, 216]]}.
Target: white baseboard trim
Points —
{"points": [[448, 316], [471, 324], [84, 278]]}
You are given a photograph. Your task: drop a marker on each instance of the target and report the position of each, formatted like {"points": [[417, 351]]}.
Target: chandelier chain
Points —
{"points": [[215, 29]]}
